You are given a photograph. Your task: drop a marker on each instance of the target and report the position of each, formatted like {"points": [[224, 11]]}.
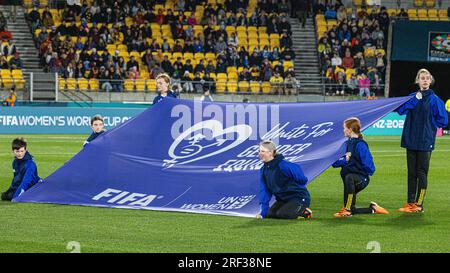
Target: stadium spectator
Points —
{"points": [[356, 168], [291, 84], [352, 85], [163, 82], [425, 112], [206, 96], [277, 83], [286, 181], [97, 126], [16, 62], [301, 9], [364, 85], [11, 99], [25, 171], [187, 82], [402, 15], [209, 83]]}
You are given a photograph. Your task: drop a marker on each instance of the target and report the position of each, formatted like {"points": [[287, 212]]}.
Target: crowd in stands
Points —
{"points": [[352, 52], [9, 55], [194, 41], [11, 64]]}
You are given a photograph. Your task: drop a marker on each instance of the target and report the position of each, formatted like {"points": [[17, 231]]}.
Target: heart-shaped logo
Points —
{"points": [[200, 146]]}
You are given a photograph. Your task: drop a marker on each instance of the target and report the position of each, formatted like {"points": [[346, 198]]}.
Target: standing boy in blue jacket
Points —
{"points": [[425, 113], [284, 180], [25, 171]]}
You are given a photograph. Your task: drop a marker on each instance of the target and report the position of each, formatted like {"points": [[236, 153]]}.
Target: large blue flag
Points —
{"points": [[193, 156]]}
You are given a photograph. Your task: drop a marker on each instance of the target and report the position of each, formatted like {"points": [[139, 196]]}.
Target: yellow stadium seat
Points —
{"points": [[151, 85], [62, 84], [210, 55], [129, 85], [244, 86], [418, 3], [233, 76], [252, 29], [251, 35], [262, 29], [140, 85], [442, 13], [232, 86], [265, 36], [94, 85], [8, 82], [221, 77], [422, 13], [5, 73], [288, 64], [199, 56], [177, 55], [266, 87], [71, 84], [188, 56], [19, 83], [220, 87], [430, 3], [231, 69], [83, 84], [412, 13], [432, 14], [255, 87]]}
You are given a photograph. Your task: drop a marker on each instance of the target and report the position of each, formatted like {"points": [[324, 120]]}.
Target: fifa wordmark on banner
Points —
{"points": [[225, 203], [120, 197]]}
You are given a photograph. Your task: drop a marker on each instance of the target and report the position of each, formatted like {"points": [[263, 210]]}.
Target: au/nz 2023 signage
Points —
{"points": [[390, 125], [62, 120], [59, 120]]}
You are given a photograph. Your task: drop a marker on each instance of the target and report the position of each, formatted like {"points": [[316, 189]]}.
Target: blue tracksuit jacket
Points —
{"points": [[25, 175], [423, 117], [283, 179], [361, 161]]}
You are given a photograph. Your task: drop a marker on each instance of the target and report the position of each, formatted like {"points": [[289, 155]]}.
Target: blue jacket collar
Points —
{"points": [[27, 156], [274, 162], [427, 93]]}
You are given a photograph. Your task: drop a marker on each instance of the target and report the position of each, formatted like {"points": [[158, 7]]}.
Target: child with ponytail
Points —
{"points": [[357, 165]]}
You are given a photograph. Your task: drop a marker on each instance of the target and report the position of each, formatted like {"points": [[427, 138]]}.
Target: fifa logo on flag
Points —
{"points": [[211, 130], [205, 139]]}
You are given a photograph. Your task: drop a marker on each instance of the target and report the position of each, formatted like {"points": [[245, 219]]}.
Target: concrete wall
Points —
{"points": [[148, 97]]}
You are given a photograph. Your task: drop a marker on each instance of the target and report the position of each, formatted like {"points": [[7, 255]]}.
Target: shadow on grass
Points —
{"points": [[258, 223], [6, 203], [408, 221]]}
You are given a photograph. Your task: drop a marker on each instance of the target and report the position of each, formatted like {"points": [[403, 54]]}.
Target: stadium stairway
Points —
{"points": [[44, 83], [307, 69]]}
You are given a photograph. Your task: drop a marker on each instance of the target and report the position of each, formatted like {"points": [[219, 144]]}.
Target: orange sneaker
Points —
{"points": [[342, 213], [377, 209], [307, 214], [411, 207]]}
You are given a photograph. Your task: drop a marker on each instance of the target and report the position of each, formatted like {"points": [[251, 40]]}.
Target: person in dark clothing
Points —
{"points": [[25, 171], [163, 84], [301, 8], [97, 125], [284, 180], [357, 165], [425, 113]]}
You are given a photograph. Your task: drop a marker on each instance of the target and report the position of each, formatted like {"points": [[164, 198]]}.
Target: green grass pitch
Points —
{"points": [[49, 228]]}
